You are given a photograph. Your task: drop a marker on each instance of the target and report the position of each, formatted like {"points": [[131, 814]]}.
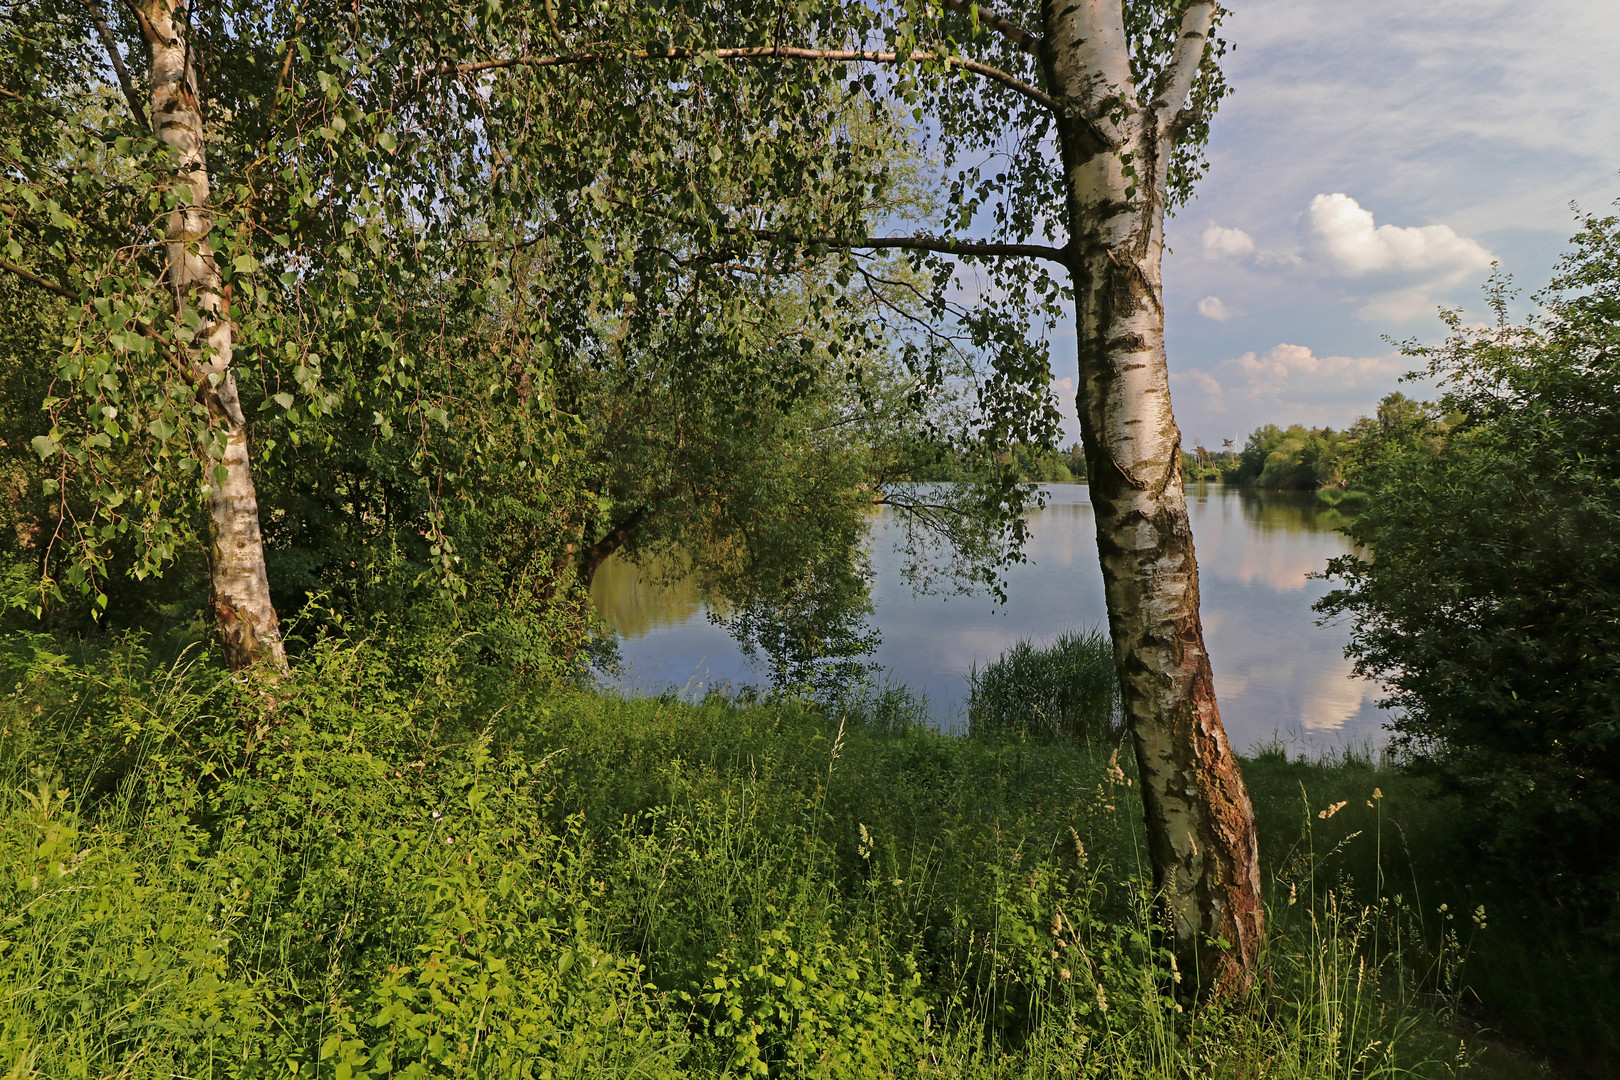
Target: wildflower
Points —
{"points": [[1079, 848], [1330, 811]]}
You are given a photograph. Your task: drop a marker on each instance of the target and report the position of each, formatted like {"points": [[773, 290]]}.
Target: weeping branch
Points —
{"points": [[762, 52]]}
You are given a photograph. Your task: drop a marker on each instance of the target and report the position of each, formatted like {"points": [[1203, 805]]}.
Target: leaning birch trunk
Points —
{"points": [[1200, 825], [248, 627]]}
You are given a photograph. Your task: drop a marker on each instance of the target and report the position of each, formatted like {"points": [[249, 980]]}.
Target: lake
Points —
{"points": [[1276, 672]]}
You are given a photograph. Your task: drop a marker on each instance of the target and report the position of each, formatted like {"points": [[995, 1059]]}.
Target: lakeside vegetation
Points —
{"points": [[336, 355], [1341, 467], [417, 871]]}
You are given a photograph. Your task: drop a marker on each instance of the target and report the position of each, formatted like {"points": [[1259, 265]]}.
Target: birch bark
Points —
{"points": [[1116, 153], [247, 623]]}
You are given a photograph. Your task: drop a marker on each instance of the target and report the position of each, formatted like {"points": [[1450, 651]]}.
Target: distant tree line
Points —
{"points": [[1031, 462], [1336, 464]]}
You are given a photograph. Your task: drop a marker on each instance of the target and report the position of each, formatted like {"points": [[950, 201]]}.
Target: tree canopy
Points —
{"points": [[1487, 603]]}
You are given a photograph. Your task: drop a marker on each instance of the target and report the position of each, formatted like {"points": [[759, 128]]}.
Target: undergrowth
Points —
{"points": [[364, 873]]}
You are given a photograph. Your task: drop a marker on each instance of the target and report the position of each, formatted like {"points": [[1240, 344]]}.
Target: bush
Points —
{"points": [[375, 872], [1067, 690], [1492, 607]]}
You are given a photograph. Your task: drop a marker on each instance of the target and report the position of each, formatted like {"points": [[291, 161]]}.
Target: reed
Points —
{"points": [[1065, 691]]}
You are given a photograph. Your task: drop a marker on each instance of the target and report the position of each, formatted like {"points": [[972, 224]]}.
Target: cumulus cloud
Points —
{"points": [[1223, 243], [1286, 384], [1199, 380], [1213, 307], [1349, 241], [1283, 365]]}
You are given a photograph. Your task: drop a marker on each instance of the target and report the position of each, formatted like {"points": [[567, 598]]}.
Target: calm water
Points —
{"points": [[1276, 671]]}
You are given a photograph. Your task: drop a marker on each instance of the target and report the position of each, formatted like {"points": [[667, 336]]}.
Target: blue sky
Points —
{"points": [[1375, 158]]}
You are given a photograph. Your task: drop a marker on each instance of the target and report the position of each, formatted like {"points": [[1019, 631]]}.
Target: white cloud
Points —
{"points": [[1349, 241], [1213, 307], [1286, 384], [1223, 243], [1201, 380], [1285, 366]]}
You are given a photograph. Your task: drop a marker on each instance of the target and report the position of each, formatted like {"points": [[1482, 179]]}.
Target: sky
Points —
{"points": [[1375, 159]]}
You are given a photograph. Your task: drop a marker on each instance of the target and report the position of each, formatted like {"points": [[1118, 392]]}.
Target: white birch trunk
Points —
{"points": [[1199, 820], [248, 627]]}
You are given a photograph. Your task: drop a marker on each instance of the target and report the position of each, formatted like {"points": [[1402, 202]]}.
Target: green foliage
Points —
{"points": [[1490, 607], [1296, 458], [1343, 467], [807, 1004], [397, 877], [1405, 850], [1068, 690]]}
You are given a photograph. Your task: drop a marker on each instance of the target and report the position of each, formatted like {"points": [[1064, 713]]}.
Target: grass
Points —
{"points": [[1063, 692], [1520, 968], [431, 871]]}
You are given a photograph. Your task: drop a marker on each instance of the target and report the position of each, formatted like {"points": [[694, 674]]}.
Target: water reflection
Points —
{"points": [[1276, 672]]}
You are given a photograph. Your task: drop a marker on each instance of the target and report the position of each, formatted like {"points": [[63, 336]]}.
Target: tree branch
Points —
{"points": [[148, 34], [597, 554], [98, 19], [878, 243], [763, 52], [44, 283], [1196, 24], [145, 329], [928, 243], [1014, 33]]}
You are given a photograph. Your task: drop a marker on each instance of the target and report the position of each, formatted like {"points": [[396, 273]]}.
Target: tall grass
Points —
{"points": [[410, 878], [1513, 965], [1065, 691]]}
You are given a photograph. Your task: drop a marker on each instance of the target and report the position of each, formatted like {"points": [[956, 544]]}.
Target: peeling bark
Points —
{"points": [[1200, 824], [248, 627]]}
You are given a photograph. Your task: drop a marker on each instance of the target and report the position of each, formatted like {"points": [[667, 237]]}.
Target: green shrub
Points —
{"points": [[380, 872], [1484, 593], [1067, 690]]}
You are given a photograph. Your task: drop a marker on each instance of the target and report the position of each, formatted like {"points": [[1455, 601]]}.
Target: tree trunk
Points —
{"points": [[1200, 825], [248, 627]]}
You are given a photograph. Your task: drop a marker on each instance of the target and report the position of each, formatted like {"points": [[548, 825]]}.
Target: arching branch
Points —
{"points": [[44, 283], [928, 243], [878, 243], [762, 52]]}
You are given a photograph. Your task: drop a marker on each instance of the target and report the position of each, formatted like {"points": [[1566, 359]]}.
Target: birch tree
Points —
{"points": [[248, 627], [1077, 124]]}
